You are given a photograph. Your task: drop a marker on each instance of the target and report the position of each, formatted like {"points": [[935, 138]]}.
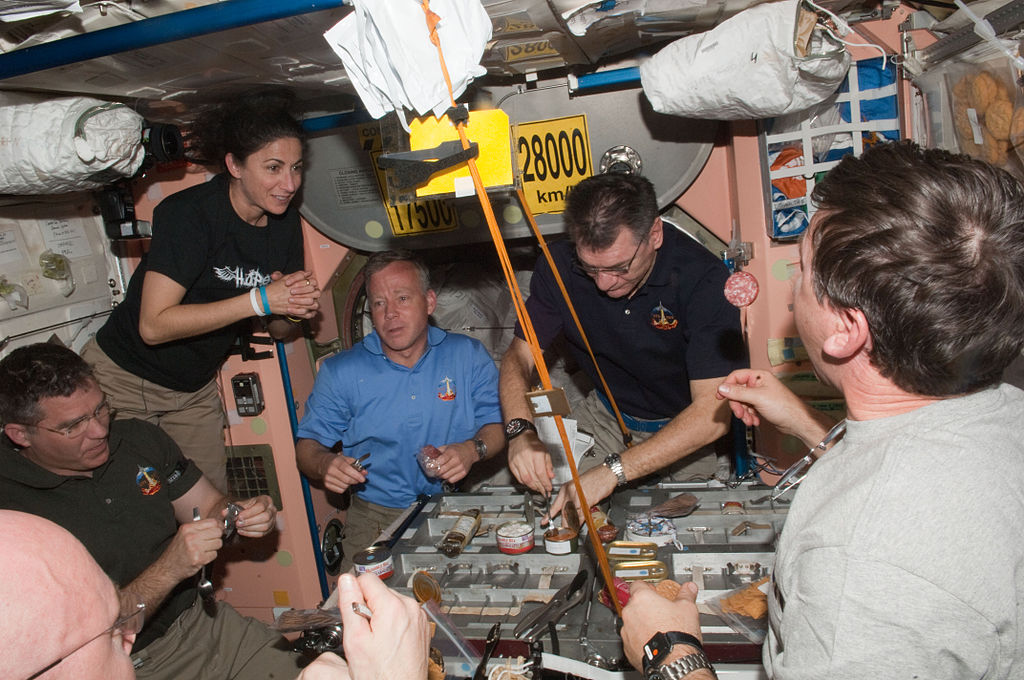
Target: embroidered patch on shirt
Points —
{"points": [[148, 481], [662, 318], [446, 389]]}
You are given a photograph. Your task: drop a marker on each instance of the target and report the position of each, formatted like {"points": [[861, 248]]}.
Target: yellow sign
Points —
{"points": [[553, 156], [489, 129], [406, 219], [530, 50]]}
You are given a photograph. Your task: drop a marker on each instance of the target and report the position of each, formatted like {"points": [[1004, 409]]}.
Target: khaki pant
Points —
{"points": [[194, 420], [221, 646], [363, 524], [592, 417]]}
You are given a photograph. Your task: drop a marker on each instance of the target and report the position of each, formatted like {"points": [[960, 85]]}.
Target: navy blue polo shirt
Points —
{"points": [[678, 327]]}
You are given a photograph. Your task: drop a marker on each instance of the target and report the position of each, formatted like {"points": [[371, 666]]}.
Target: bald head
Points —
{"points": [[53, 598]]}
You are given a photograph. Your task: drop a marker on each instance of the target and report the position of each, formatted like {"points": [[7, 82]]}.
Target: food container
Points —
{"points": [[631, 551], [732, 508], [658, 530], [561, 541], [606, 531], [515, 537], [647, 570], [374, 560]]}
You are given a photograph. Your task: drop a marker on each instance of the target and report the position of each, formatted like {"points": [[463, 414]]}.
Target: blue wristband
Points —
{"points": [[266, 302]]}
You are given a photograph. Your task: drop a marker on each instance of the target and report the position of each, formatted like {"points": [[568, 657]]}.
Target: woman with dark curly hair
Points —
{"points": [[222, 252]]}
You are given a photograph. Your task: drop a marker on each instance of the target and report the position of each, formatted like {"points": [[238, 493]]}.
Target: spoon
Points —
{"points": [[205, 585]]}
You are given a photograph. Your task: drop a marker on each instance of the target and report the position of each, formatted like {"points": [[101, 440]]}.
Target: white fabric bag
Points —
{"points": [[54, 146], [746, 68]]}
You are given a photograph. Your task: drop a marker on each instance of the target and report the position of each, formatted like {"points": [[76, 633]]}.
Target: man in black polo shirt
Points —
{"points": [[651, 302], [126, 492]]}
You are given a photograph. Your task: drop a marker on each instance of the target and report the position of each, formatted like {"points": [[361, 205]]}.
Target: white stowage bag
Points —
{"points": [[746, 67], [53, 146]]}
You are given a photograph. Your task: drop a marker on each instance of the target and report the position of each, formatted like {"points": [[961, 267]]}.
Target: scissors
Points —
{"points": [[534, 624]]}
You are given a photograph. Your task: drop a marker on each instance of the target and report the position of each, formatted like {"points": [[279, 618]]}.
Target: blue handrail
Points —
{"points": [[307, 497], [190, 23]]}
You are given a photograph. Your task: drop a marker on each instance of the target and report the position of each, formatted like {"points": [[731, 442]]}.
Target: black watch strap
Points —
{"points": [[658, 647], [516, 427]]}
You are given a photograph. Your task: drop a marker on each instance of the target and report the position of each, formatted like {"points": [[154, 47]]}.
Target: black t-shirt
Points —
{"points": [[678, 327], [201, 243], [122, 514]]}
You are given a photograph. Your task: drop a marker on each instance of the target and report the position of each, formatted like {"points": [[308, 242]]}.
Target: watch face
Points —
{"points": [[517, 426]]}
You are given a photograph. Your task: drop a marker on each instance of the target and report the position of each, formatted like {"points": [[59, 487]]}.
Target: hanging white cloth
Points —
{"points": [[387, 53]]}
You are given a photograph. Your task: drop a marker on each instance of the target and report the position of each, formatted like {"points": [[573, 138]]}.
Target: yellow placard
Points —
{"points": [[530, 50], [489, 129], [406, 219], [553, 156]]}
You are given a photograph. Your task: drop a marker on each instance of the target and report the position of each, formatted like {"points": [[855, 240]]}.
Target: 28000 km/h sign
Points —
{"points": [[553, 156]]}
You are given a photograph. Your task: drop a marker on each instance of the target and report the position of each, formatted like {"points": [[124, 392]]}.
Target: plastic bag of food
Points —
{"points": [[745, 609]]}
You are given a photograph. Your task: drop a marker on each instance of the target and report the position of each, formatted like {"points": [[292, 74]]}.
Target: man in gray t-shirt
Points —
{"points": [[900, 555]]}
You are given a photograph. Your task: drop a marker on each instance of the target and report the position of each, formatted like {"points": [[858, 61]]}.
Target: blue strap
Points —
{"points": [[631, 422], [266, 302]]}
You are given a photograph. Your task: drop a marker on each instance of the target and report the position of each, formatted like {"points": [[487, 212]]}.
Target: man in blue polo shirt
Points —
{"points": [[405, 386], [651, 302]]}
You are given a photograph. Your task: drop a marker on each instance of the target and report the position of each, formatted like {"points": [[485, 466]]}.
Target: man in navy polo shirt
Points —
{"points": [[406, 385], [651, 302]]}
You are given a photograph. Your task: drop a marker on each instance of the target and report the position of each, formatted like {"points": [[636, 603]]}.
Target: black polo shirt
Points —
{"points": [[678, 327], [122, 514]]}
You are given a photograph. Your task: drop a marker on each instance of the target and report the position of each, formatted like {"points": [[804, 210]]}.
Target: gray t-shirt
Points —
{"points": [[903, 552]]}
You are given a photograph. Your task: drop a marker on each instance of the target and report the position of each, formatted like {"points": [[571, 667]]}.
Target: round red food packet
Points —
{"points": [[741, 288]]}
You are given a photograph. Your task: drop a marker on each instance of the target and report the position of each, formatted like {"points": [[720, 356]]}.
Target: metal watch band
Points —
{"points": [[481, 448], [680, 668], [614, 463]]}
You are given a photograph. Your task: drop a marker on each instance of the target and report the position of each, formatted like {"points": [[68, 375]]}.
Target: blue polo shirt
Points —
{"points": [[678, 327], [373, 405]]}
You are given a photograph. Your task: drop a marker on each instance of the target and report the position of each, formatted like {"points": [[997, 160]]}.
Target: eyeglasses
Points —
{"points": [[77, 428], [618, 270], [128, 625], [796, 472]]}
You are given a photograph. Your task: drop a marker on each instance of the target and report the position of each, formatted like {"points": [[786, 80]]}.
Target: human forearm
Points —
{"points": [[312, 458], [185, 321], [163, 317], [151, 587], [514, 381], [493, 436], [694, 427]]}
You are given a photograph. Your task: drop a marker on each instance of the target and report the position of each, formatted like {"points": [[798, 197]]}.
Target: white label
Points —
{"points": [[9, 250], [972, 116], [66, 238]]}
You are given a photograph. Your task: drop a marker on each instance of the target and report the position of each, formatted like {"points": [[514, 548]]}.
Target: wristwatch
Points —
{"points": [[613, 462], [516, 427], [659, 646], [481, 448]]}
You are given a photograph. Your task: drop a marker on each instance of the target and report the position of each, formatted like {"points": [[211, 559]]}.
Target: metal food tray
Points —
{"points": [[483, 586]]}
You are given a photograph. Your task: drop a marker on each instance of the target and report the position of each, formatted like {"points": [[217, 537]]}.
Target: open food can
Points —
{"points": [[515, 537]]}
